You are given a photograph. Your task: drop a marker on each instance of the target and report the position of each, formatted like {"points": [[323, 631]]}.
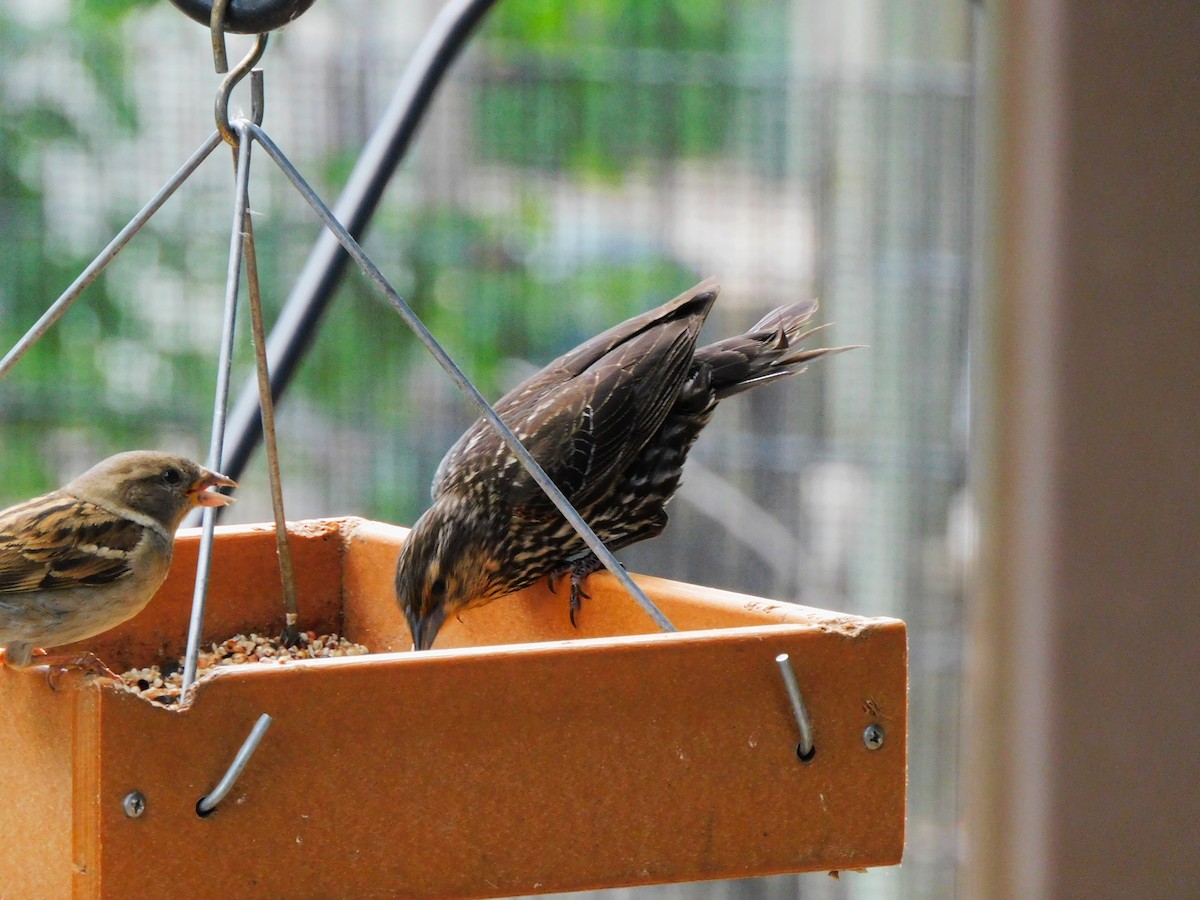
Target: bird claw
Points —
{"points": [[578, 595], [53, 674], [579, 571]]}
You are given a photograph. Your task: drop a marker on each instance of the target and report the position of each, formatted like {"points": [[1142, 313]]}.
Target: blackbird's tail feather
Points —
{"points": [[768, 351]]}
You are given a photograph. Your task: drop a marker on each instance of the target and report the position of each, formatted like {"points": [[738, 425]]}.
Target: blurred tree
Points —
{"points": [[618, 93], [35, 264]]}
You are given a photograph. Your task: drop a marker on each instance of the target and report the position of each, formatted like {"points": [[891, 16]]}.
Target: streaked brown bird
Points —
{"points": [[611, 422], [81, 560]]}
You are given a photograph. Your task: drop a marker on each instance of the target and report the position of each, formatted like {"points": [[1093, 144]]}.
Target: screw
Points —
{"points": [[134, 804], [873, 737]]}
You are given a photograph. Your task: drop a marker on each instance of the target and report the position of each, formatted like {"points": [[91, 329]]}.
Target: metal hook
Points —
{"points": [[805, 748], [230, 81], [208, 803], [216, 24], [257, 100]]}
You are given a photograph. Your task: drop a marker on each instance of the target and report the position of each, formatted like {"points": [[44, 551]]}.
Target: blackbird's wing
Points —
{"points": [[584, 425], [694, 302], [58, 541], [587, 434], [771, 350]]}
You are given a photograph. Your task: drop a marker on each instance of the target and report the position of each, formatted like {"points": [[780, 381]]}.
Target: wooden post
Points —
{"points": [[1083, 737]]}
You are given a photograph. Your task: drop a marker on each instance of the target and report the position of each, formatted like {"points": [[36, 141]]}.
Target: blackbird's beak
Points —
{"points": [[425, 629], [202, 496]]}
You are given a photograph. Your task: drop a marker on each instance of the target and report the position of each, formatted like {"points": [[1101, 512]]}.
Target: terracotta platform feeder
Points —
{"points": [[522, 756]]}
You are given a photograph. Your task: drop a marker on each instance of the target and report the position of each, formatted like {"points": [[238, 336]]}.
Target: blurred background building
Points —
{"points": [[583, 163]]}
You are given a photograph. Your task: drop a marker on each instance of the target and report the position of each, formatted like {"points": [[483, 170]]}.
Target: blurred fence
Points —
{"points": [[580, 166]]}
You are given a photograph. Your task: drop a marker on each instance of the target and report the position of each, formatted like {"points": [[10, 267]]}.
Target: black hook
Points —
{"points": [[246, 16]]}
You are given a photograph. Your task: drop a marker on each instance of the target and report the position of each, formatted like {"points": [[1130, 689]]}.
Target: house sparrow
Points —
{"points": [[82, 559], [611, 422]]}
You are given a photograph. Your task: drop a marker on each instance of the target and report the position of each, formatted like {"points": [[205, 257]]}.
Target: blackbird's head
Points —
{"points": [[444, 569]]}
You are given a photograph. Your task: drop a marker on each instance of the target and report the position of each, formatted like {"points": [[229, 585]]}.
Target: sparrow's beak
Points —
{"points": [[425, 630], [202, 496]]}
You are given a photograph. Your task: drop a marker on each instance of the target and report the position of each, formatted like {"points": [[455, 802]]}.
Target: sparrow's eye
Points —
{"points": [[437, 590], [172, 476]]}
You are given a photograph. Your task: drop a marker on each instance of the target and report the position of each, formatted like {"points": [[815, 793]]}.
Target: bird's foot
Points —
{"points": [[87, 662], [577, 595], [579, 570]]}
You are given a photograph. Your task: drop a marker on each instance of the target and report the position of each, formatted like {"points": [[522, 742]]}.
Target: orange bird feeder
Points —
{"points": [[524, 756]]}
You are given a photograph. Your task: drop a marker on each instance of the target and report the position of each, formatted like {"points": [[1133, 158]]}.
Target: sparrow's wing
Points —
{"points": [[58, 541], [591, 408]]}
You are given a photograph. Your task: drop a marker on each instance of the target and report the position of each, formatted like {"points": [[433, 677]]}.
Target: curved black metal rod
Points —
{"points": [[297, 324]]}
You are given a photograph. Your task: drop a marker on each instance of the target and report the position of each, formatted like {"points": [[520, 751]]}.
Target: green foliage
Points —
{"points": [[59, 373], [604, 86], [562, 28], [475, 279], [104, 16], [473, 285]]}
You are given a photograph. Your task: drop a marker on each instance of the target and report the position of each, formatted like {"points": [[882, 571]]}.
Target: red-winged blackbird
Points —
{"points": [[611, 422]]}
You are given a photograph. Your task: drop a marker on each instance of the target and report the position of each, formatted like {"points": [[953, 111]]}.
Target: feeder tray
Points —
{"points": [[527, 757]]}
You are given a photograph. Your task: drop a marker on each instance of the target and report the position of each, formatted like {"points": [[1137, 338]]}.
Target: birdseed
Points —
{"points": [[163, 684]]}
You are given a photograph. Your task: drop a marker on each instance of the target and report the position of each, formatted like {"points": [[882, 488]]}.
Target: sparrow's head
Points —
{"points": [[159, 485], [444, 568]]}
